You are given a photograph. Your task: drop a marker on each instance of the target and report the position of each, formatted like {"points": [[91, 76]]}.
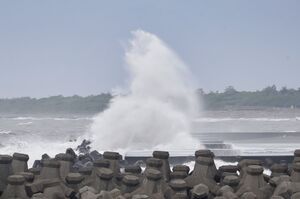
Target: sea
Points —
{"points": [[272, 131]]}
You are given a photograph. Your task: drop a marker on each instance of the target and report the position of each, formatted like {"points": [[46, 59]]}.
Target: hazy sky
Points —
{"points": [[51, 47]]}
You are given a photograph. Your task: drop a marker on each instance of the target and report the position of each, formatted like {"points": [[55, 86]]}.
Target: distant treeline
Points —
{"points": [[230, 98], [56, 105], [267, 97]]}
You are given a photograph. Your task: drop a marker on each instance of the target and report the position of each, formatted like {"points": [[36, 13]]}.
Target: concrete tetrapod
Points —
{"points": [[209, 154], [130, 183], [227, 192], [154, 163], [66, 162], [178, 175], [53, 189], [36, 172], [50, 169], [86, 173], [19, 162], [104, 181], [181, 168], [232, 181], [153, 185], [113, 158], [5, 171], [164, 156], [278, 170], [253, 180], [15, 188], [296, 156], [200, 191], [203, 174], [74, 180], [295, 174], [179, 189]]}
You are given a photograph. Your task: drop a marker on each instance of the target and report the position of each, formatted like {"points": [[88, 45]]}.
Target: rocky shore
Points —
{"points": [[92, 175]]}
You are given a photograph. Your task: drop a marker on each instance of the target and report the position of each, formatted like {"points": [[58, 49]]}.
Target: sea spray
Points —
{"points": [[159, 107], [35, 147]]}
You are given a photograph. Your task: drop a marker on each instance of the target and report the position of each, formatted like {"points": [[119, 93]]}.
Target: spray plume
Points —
{"points": [[159, 107]]}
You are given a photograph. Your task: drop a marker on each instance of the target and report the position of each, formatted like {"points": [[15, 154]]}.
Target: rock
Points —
{"points": [[95, 155]]}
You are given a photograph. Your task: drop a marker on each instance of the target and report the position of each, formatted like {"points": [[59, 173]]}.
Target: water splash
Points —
{"points": [[157, 111]]}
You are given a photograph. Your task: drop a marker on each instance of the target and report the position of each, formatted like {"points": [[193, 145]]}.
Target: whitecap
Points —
{"points": [[5, 132], [24, 123], [227, 119]]}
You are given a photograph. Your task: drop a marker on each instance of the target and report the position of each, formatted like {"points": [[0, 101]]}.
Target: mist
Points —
{"points": [[160, 104]]}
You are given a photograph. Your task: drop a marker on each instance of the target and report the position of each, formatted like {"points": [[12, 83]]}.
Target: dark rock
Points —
{"points": [[45, 156], [71, 152], [95, 155]]}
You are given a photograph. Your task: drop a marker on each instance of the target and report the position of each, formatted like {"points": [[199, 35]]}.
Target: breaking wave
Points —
{"points": [[160, 105]]}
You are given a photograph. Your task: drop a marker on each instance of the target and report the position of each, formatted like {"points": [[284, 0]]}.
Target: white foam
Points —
{"points": [[24, 123], [159, 107], [5, 132], [290, 131], [229, 119], [255, 149], [35, 148]]}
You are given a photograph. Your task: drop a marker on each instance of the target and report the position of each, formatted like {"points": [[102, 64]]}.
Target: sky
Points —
{"points": [[55, 47]]}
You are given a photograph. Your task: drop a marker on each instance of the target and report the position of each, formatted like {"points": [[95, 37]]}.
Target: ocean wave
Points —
{"points": [[24, 123], [290, 131], [261, 119], [266, 149], [5, 132], [50, 118], [35, 147]]}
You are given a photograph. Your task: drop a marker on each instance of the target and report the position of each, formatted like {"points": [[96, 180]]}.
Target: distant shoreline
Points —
{"points": [[268, 98]]}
